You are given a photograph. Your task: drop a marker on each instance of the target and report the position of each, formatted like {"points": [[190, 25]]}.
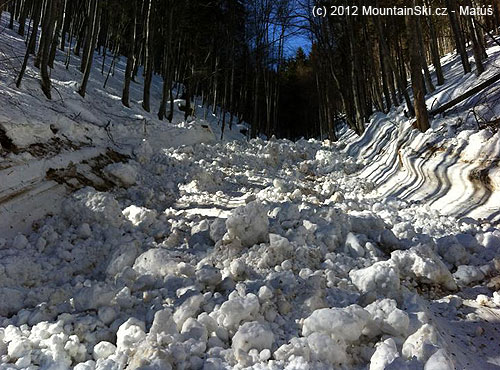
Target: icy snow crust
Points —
{"points": [[262, 255]]}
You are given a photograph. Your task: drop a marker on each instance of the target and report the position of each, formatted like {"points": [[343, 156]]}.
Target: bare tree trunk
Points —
{"points": [[32, 41], [214, 105], [12, 10], [400, 83], [130, 57], [255, 121], [167, 86], [148, 57], [224, 105], [385, 85], [436, 59], [22, 18], [65, 25], [476, 46], [45, 43], [355, 72], [416, 75], [58, 17], [457, 34], [93, 29], [170, 116], [427, 74]]}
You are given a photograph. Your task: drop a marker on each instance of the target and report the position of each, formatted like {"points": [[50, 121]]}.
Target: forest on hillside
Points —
{"points": [[235, 55]]}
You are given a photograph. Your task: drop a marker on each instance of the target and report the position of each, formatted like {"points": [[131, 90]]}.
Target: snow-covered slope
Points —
{"points": [[38, 135], [454, 167]]}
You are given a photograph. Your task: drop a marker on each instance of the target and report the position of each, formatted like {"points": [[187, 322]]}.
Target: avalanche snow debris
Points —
{"points": [[381, 278], [89, 205], [242, 254], [249, 224], [124, 173], [421, 262]]}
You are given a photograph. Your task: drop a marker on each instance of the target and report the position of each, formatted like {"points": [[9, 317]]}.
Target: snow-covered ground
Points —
{"points": [[41, 135], [454, 167], [235, 254]]}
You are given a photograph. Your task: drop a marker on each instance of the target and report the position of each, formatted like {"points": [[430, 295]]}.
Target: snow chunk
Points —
{"points": [[140, 216], [421, 344], [353, 246], [123, 257], [14, 303], [89, 205], [156, 261], [298, 347], [143, 152], [19, 347], [129, 335], [344, 324], [384, 355], [217, 229], [325, 349], [466, 275], [388, 318], [92, 297], [193, 329], [388, 241], [238, 309], [381, 278], [124, 173], [422, 263], [253, 335], [20, 242], [103, 350], [249, 223], [187, 309], [208, 275], [365, 222], [163, 323], [440, 360], [279, 250]]}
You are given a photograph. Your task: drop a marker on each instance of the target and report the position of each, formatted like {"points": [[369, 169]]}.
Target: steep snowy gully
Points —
{"points": [[262, 254]]}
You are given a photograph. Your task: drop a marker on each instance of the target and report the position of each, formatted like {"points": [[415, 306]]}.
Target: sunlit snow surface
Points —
{"points": [[222, 255]]}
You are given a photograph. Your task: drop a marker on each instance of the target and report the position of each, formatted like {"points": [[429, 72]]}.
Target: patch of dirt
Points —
{"points": [[480, 175], [88, 173], [53, 147]]}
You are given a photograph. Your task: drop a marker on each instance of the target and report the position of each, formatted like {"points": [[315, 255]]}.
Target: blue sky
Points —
{"points": [[296, 41]]}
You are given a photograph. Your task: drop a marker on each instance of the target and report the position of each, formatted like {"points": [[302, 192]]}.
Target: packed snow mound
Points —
{"points": [[126, 174], [253, 335], [344, 325], [249, 224], [453, 166], [420, 262], [381, 278], [89, 205]]}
